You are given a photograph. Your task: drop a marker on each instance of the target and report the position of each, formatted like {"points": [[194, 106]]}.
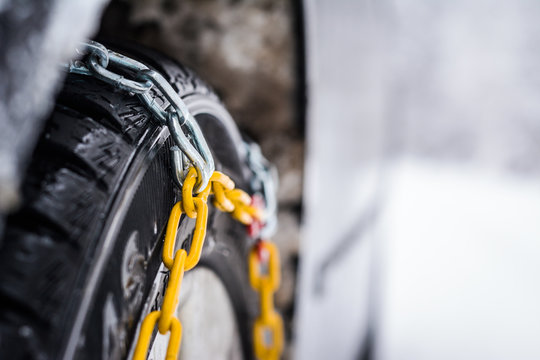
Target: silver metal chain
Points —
{"points": [[190, 146]]}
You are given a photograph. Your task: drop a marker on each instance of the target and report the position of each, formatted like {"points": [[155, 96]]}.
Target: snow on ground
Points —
{"points": [[460, 265]]}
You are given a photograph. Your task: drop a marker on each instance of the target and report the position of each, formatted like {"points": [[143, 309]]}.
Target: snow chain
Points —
{"points": [[200, 179]]}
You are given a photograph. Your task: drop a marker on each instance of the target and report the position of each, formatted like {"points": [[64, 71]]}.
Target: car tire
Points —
{"points": [[80, 258]]}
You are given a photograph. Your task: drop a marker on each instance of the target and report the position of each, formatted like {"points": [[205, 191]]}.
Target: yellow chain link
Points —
{"points": [[238, 203]]}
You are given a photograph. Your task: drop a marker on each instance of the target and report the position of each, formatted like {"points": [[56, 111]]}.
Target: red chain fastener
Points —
{"points": [[259, 250], [254, 229]]}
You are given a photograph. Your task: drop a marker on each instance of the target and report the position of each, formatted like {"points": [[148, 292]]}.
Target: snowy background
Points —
{"points": [[421, 237]]}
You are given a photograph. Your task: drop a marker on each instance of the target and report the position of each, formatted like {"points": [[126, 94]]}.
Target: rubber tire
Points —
{"points": [[99, 144]]}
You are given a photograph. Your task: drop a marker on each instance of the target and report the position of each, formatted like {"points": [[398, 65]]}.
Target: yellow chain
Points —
{"points": [[238, 203], [268, 329]]}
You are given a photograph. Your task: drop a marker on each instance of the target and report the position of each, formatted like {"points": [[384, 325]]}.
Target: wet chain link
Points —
{"points": [[193, 172]]}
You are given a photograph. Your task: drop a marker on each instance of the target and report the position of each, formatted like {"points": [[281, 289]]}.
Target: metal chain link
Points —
{"points": [[97, 60], [197, 176]]}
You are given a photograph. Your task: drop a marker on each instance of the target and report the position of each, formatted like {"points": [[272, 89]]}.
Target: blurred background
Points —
{"points": [[407, 139], [420, 235]]}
